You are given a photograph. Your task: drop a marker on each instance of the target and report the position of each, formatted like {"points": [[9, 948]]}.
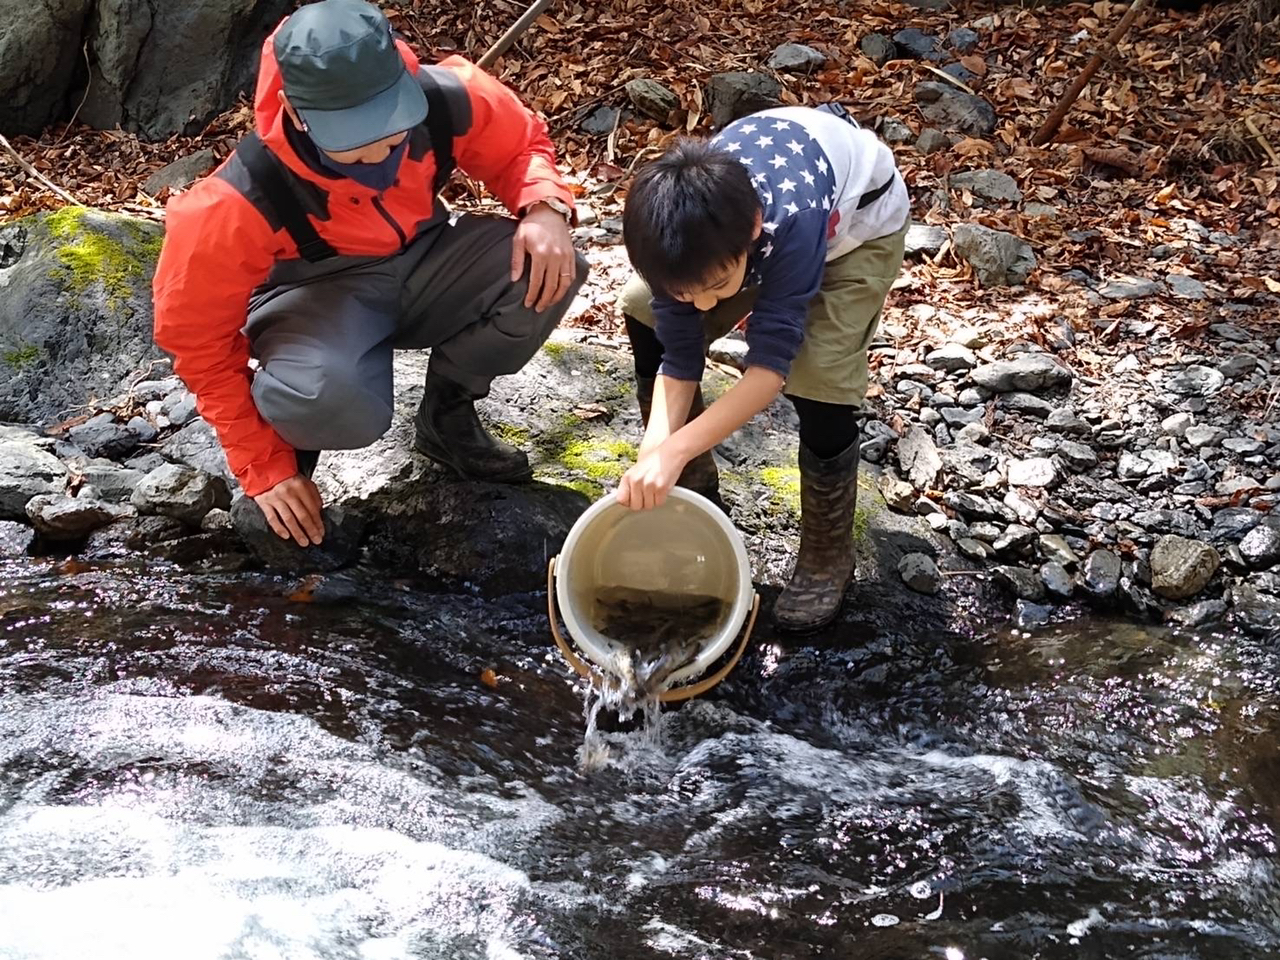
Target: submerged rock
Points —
{"points": [[920, 573]]}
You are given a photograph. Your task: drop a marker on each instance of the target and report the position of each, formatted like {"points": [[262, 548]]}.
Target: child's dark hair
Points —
{"points": [[688, 213]]}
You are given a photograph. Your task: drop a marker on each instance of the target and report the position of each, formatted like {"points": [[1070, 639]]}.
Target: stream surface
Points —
{"points": [[204, 767]]}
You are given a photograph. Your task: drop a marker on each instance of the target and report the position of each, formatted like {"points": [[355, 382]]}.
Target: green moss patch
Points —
{"points": [[22, 357], [91, 256]]}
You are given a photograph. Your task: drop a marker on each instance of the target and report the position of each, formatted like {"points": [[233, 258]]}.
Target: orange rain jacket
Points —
{"points": [[219, 246]]}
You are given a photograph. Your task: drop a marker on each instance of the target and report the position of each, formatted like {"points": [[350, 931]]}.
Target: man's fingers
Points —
{"points": [[273, 521], [517, 256], [537, 277], [289, 515]]}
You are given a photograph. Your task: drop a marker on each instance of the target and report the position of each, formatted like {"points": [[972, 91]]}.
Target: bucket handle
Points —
{"points": [[684, 692]]}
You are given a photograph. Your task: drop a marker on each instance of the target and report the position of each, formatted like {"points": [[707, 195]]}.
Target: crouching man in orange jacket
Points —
{"points": [[319, 247]]}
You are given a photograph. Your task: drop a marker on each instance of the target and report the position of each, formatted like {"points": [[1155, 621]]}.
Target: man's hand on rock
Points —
{"points": [[293, 509], [543, 236]]}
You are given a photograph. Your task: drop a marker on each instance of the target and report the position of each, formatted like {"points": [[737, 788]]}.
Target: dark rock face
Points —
{"points": [[158, 69], [342, 530], [75, 313]]}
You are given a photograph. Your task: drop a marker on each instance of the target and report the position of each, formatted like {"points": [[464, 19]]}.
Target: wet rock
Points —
{"points": [[1021, 582], [217, 520], [131, 534], [1168, 521], [1255, 611], [933, 141], [1200, 614], [1027, 404], [1027, 614], [949, 109], [1139, 601], [59, 517], [602, 120], [1130, 288], [915, 44], [1196, 381], [342, 531], [15, 538], [1033, 472], [919, 459], [1101, 575], [1064, 420], [1057, 582], [998, 258], [878, 48], [100, 437], [196, 445], [925, 240], [1029, 372], [975, 549], [952, 358], [1181, 567], [1232, 523], [1077, 456], [1261, 545], [1016, 539], [1054, 547], [180, 492], [970, 505], [1177, 425], [796, 58], [26, 471], [1203, 436], [653, 99], [734, 95], [989, 185], [1185, 288], [963, 40], [920, 573], [181, 173]]}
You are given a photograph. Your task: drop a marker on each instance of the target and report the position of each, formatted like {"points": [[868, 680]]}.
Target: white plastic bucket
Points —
{"points": [[685, 546]]}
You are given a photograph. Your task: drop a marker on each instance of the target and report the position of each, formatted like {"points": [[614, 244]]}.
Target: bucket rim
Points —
{"points": [[601, 654]]}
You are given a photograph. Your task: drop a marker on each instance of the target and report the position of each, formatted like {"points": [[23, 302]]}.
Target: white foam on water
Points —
{"points": [[198, 829]]}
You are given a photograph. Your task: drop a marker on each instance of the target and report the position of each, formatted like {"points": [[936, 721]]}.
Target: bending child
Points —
{"points": [[797, 217]]}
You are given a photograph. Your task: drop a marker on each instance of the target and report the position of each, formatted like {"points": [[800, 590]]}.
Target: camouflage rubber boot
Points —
{"points": [[700, 474], [824, 567]]}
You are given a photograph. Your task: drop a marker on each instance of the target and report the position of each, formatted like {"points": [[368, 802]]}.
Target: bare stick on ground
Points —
{"points": [[33, 172], [513, 34], [1054, 120]]}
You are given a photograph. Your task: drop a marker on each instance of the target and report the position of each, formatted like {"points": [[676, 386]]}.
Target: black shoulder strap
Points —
{"points": [[265, 168], [448, 116]]}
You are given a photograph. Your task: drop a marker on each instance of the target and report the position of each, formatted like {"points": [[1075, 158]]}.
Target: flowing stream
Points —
{"points": [[222, 767]]}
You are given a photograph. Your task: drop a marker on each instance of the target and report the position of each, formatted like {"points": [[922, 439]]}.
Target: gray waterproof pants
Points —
{"points": [[323, 333]]}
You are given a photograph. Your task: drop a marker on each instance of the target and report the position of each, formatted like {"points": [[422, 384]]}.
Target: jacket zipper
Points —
{"points": [[377, 202]]}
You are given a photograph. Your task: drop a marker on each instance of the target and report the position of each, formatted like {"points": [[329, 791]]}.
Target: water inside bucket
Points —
{"points": [[662, 632]]}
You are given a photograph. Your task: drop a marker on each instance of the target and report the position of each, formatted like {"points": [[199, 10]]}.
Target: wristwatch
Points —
{"points": [[556, 204]]}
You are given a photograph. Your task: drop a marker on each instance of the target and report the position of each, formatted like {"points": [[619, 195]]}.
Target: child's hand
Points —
{"points": [[647, 484]]}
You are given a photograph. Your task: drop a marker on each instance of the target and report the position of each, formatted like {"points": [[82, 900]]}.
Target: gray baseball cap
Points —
{"points": [[345, 77]]}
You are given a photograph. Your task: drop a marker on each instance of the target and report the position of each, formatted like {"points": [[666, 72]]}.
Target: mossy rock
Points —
{"points": [[75, 311]]}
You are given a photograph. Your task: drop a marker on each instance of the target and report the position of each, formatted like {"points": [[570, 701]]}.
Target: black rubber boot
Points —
{"points": [[701, 475], [450, 433], [307, 461], [824, 567]]}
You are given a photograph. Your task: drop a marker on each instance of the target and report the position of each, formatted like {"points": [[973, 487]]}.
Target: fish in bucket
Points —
{"points": [[654, 599]]}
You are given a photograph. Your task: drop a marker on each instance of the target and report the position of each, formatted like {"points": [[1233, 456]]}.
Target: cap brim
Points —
{"points": [[398, 108]]}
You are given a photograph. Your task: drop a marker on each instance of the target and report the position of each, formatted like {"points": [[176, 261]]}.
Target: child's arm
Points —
{"points": [[672, 399], [647, 484]]}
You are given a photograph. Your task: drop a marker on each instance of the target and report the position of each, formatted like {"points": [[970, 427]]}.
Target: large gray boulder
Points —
{"points": [[1181, 567], [180, 492], [26, 471], [75, 311], [157, 69]]}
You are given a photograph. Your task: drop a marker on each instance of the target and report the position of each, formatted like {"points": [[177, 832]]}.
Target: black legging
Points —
{"points": [[827, 429]]}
